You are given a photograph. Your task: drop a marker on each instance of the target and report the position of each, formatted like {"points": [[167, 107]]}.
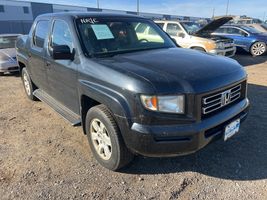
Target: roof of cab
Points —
{"points": [[87, 14]]}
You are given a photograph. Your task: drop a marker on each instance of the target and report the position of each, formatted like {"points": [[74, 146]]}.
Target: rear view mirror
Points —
{"points": [[62, 52], [182, 35]]}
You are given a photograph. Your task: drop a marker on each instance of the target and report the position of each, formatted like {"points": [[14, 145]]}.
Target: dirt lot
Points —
{"points": [[43, 157]]}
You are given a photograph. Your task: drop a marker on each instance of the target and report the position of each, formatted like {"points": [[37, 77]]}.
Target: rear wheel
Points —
{"points": [[258, 48], [105, 139], [29, 87]]}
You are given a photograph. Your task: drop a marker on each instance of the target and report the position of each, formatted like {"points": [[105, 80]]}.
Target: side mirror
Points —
{"points": [[182, 35], [62, 52]]}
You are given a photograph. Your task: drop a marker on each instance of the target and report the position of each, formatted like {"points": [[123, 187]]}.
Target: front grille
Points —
{"points": [[221, 99]]}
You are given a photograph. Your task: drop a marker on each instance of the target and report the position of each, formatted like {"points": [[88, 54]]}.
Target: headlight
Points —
{"points": [[219, 45], [168, 104]]}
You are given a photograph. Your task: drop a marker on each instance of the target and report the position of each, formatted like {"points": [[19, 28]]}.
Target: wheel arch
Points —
{"points": [[92, 94]]}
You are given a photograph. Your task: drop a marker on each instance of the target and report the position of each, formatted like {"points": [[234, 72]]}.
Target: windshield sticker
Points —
{"points": [[88, 20], [102, 32]]}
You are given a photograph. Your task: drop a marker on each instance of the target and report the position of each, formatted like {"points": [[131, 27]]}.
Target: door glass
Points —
{"points": [[40, 33], [234, 31], [173, 29], [61, 34]]}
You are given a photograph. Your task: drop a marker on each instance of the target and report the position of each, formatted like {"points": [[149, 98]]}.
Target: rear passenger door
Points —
{"points": [[36, 54], [62, 74]]}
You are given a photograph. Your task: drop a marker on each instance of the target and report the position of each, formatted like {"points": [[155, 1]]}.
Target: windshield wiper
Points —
{"points": [[114, 53]]}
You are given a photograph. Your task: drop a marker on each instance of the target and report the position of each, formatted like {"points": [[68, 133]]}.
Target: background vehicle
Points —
{"points": [[132, 95], [247, 38], [259, 27], [191, 35], [8, 60]]}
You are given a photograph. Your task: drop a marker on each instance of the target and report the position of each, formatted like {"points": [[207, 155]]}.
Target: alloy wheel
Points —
{"points": [[101, 139]]}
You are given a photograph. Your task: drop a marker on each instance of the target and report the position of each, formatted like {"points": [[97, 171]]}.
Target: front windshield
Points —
{"points": [[107, 36], [250, 29], [191, 27], [7, 42]]}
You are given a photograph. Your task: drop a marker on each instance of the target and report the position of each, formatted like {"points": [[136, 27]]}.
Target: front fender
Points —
{"points": [[115, 101]]}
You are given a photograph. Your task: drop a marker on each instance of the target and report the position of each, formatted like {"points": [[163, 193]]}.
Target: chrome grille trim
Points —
{"points": [[221, 99]]}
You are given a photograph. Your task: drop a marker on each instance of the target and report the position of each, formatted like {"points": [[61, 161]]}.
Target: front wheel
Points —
{"points": [[29, 87], [105, 139], [258, 48]]}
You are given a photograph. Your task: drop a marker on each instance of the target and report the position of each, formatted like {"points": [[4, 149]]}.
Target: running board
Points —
{"points": [[66, 113]]}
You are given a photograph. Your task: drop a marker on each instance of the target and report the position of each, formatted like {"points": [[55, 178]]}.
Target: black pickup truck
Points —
{"points": [[130, 87]]}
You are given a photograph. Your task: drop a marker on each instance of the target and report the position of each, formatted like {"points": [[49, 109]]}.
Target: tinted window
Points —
{"points": [[173, 29], [220, 30], [2, 9], [61, 34], [234, 31], [40, 34], [26, 10]]}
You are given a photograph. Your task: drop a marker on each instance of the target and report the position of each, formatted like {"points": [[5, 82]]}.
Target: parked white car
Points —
{"points": [[8, 60], [191, 35]]}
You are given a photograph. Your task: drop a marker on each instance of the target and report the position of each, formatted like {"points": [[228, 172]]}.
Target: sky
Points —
{"points": [[196, 8]]}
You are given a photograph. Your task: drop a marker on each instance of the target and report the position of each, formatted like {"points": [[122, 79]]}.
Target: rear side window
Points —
{"points": [[173, 29], [40, 33]]}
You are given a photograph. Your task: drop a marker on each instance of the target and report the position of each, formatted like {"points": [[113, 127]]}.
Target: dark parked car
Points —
{"points": [[132, 96], [247, 38]]}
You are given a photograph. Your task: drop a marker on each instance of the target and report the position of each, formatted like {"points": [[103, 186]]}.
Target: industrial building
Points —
{"points": [[17, 16]]}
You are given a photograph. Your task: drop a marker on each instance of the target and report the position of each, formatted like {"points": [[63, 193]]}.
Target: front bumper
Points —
{"points": [[172, 140], [230, 52], [9, 66]]}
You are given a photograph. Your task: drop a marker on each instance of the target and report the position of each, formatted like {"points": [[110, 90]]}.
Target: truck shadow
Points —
{"points": [[244, 157], [245, 59]]}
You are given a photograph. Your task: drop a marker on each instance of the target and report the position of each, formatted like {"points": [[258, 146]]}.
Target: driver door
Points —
{"points": [[62, 74]]}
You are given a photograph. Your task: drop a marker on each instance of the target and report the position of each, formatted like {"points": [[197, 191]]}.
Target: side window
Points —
{"points": [[61, 34], [173, 29], [235, 31], [40, 33], [161, 25], [140, 28], [220, 30]]}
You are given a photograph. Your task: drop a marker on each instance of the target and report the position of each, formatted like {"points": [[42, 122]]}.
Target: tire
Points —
{"points": [[199, 49], [28, 85], [1, 73], [258, 49], [107, 144]]}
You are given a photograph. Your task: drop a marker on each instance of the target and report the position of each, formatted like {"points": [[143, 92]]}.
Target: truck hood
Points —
{"points": [[177, 70], [212, 26]]}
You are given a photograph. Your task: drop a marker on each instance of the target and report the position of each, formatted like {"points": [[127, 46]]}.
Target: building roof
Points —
{"points": [[9, 35]]}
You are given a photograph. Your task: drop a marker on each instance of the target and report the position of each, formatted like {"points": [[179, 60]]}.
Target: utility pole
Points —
{"points": [[264, 15], [213, 12], [97, 3], [138, 7], [227, 7]]}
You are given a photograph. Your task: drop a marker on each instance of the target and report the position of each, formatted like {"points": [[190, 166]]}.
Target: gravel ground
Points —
{"points": [[43, 157]]}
